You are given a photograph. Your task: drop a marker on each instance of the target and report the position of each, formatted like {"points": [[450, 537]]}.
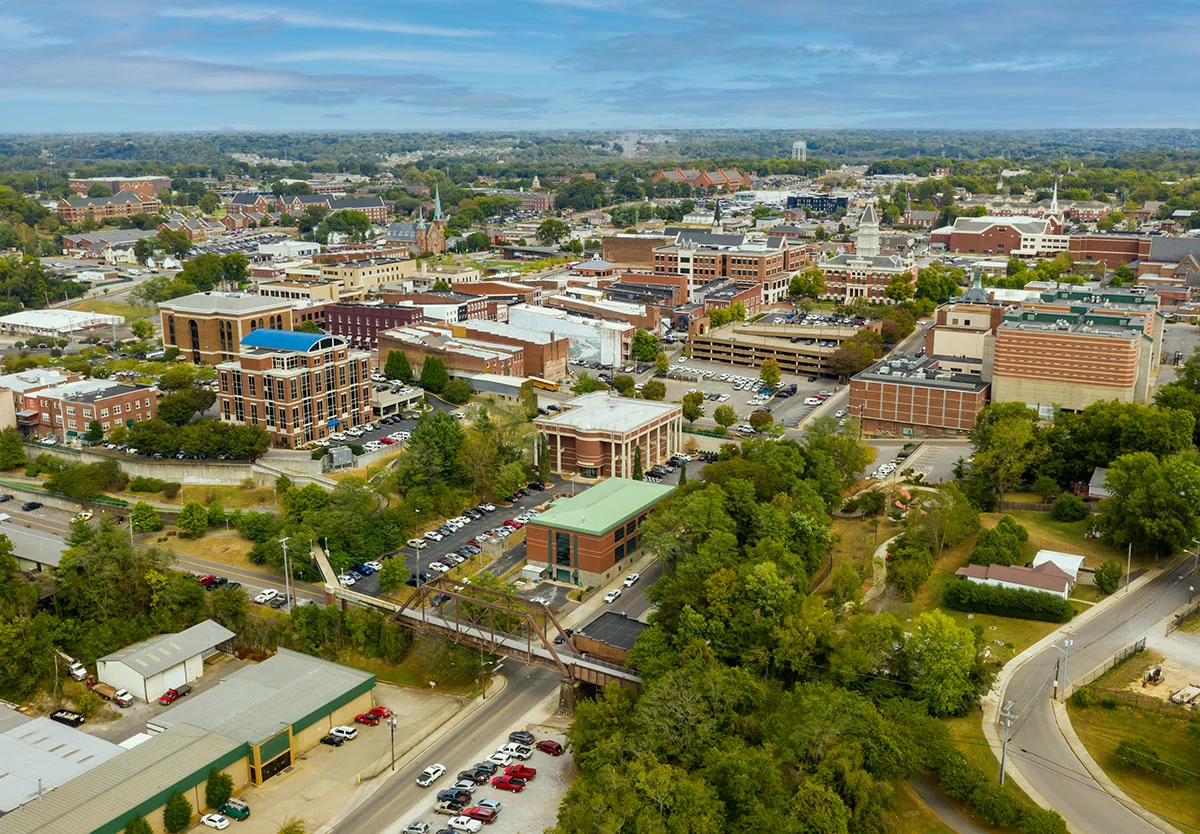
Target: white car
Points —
{"points": [[345, 732], [840, 413], [434, 536], [215, 821], [266, 596], [346, 579], [430, 775], [374, 565], [464, 785], [465, 824], [490, 804], [418, 544], [613, 595], [438, 567], [490, 508], [517, 751], [631, 580], [416, 828], [502, 759]]}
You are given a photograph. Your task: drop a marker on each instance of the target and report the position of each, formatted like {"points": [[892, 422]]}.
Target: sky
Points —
{"points": [[146, 65]]}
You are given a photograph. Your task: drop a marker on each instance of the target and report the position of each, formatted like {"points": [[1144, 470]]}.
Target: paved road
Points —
{"points": [[1038, 749], [527, 687]]}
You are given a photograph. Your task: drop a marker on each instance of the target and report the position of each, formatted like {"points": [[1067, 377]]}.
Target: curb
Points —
{"points": [[419, 748], [995, 698], [1063, 721]]}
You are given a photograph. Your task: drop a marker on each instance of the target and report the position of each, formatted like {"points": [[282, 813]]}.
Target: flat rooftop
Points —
{"points": [[597, 510], [614, 629], [222, 302], [40, 754], [602, 411], [499, 328]]}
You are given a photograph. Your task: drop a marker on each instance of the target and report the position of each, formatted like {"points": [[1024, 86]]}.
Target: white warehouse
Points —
{"points": [[151, 667]]}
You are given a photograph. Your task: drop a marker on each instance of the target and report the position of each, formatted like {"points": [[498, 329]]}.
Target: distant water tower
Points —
{"points": [[800, 151]]}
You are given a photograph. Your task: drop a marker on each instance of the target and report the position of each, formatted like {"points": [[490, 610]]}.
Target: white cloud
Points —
{"points": [[19, 32], [287, 17]]}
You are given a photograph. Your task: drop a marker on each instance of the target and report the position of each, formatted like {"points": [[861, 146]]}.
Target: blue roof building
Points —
{"points": [[290, 340]]}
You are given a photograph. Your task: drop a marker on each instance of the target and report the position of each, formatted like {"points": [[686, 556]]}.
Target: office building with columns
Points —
{"points": [[597, 435]]}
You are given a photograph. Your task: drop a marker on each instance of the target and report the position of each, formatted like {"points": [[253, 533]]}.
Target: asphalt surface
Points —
{"points": [[527, 687], [1037, 747], [1176, 337]]}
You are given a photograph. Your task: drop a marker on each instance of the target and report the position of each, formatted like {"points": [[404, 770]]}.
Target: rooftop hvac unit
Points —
{"points": [[885, 370]]}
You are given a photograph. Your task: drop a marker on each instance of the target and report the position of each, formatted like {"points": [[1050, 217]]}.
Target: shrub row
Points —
{"points": [[141, 484], [1006, 602]]}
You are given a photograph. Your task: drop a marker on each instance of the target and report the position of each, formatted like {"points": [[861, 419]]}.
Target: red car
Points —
{"points": [[513, 523], [482, 814], [551, 747], [204, 580], [380, 712], [509, 783], [367, 718], [520, 771]]}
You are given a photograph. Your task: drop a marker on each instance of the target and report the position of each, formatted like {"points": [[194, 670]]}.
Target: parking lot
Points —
{"points": [[237, 242]]}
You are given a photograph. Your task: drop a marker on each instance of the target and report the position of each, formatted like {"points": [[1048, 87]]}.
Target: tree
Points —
{"points": [[193, 519], [941, 660], [218, 788], [235, 269], [142, 329], [759, 420], [551, 231], [1069, 507], [847, 584], [174, 243], [899, 288], [180, 407], [99, 189], [441, 285], [645, 346], [138, 825], [208, 203], [433, 374], [292, 825], [1006, 454], [1045, 487], [1122, 275], [693, 406], [808, 284], [393, 576], [654, 390], [12, 449], [585, 383], [661, 363], [177, 815], [725, 416], [849, 455], [95, 432], [529, 399], [939, 283], [457, 391], [309, 327], [1108, 576], [769, 372], [1152, 504], [145, 519], [397, 367], [637, 462], [1001, 545]]}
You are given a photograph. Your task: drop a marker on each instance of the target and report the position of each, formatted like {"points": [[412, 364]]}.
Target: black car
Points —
{"points": [[473, 775], [333, 741], [31, 505], [233, 585], [522, 737], [220, 581], [451, 795], [489, 768], [279, 601], [5, 497]]}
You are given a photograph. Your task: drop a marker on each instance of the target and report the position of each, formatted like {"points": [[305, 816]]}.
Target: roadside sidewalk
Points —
{"points": [[995, 698]]}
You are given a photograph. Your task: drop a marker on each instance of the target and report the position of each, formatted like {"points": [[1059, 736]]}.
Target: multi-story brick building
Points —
{"points": [[419, 342], [546, 355], [708, 256], [590, 538], [729, 179], [359, 277], [1007, 236], [207, 327], [250, 202], [443, 306], [597, 435], [916, 398], [360, 324], [633, 251], [299, 387], [418, 237], [1111, 250], [121, 204], [373, 207], [591, 303], [145, 187], [68, 410], [865, 273]]}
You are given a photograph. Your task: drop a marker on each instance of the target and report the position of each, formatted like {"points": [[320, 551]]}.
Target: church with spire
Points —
{"points": [[865, 273], [421, 237]]}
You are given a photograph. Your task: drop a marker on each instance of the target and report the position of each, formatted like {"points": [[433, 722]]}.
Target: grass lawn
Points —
{"points": [[1173, 737], [367, 472], [409, 672], [229, 497], [218, 546], [909, 815], [1087, 593], [115, 308], [967, 734], [1046, 533], [856, 542]]}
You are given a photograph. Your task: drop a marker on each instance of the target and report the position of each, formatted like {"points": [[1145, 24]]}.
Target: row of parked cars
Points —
{"points": [[468, 814]]}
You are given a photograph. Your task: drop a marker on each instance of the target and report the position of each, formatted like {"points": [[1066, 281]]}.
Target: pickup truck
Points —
{"points": [[172, 695], [109, 693], [450, 809]]}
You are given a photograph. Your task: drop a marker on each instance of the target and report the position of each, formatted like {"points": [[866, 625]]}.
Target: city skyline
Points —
{"points": [[586, 64]]}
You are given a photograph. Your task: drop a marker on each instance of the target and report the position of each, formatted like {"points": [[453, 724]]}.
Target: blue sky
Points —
{"points": [[99, 65]]}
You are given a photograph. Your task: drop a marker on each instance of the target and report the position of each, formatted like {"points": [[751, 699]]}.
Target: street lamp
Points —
{"points": [[392, 725], [287, 575], [1065, 648]]}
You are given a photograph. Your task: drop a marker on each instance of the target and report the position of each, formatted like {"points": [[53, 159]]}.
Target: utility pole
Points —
{"points": [[1007, 716], [1128, 565], [392, 724], [287, 575], [1065, 648]]}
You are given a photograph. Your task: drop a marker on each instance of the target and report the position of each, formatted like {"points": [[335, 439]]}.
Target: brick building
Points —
{"points": [[1008, 236], [299, 387], [373, 207], [360, 324], [358, 277], [916, 398], [539, 201], [68, 410], [207, 327], [1111, 250], [250, 202], [589, 538], [729, 179], [865, 273], [443, 306], [418, 342], [545, 354], [121, 204], [145, 187], [597, 435], [418, 237], [708, 256], [633, 251], [591, 303]]}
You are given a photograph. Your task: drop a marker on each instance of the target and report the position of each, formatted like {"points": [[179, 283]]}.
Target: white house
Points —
{"points": [[1068, 563], [151, 667], [1048, 578]]}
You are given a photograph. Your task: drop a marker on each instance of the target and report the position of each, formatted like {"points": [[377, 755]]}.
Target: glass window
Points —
{"points": [[619, 534], [562, 549], [619, 553]]}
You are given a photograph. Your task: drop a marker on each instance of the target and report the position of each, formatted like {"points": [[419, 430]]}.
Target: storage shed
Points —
{"points": [[151, 667]]}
